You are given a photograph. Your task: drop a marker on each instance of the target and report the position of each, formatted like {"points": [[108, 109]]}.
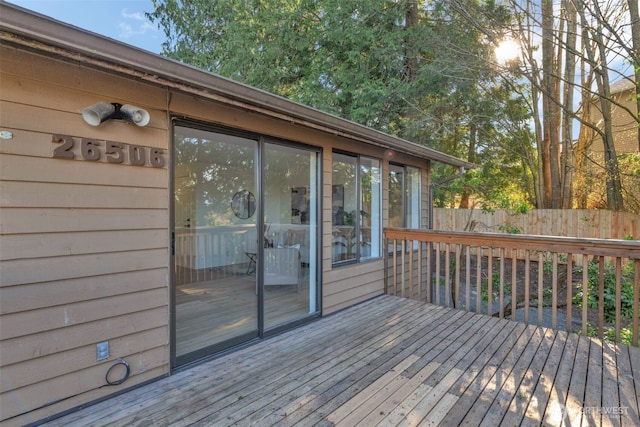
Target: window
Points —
{"points": [[356, 208], [404, 196]]}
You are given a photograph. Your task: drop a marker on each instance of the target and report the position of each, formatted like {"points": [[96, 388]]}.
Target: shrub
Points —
{"points": [[593, 297]]}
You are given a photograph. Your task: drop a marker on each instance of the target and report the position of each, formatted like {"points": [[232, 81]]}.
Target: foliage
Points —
{"points": [[629, 165], [510, 229], [415, 70], [610, 333], [609, 275], [424, 71]]}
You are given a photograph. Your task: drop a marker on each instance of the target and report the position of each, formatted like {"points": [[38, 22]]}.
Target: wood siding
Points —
{"points": [[84, 250], [85, 245], [625, 128]]}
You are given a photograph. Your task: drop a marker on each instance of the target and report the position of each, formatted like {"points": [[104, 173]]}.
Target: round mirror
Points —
{"points": [[243, 204]]}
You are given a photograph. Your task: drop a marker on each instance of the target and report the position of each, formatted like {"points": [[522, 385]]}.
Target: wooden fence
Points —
{"points": [[583, 223]]}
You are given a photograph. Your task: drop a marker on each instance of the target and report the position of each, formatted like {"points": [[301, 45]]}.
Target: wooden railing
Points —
{"points": [[590, 286]]}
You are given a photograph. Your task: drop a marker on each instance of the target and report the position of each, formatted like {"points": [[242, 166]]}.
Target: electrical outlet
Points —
{"points": [[102, 351]]}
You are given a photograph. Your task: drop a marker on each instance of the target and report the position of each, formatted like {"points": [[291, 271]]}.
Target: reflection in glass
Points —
{"points": [[243, 204], [290, 216], [357, 203], [396, 196], [370, 208], [345, 205], [215, 291]]}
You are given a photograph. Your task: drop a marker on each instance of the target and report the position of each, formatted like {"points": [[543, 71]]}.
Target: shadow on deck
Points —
{"points": [[394, 361]]}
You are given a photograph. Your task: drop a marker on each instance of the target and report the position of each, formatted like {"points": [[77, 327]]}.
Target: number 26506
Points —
{"points": [[112, 151]]}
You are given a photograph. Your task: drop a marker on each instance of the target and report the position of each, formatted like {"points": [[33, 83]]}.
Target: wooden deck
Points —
{"points": [[392, 361]]}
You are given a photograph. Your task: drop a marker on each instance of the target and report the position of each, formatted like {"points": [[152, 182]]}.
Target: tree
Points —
{"points": [[634, 17], [413, 69], [553, 29]]}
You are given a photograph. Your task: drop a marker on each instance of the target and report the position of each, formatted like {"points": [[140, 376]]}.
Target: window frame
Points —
{"points": [[408, 214], [375, 242]]}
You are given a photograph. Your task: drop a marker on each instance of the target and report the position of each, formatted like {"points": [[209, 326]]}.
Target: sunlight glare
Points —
{"points": [[507, 50]]}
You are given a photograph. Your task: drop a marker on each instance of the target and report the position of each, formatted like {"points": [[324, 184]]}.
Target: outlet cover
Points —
{"points": [[102, 351]]}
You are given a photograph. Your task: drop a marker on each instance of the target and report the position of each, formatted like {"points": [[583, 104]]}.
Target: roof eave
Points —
{"points": [[29, 25]]}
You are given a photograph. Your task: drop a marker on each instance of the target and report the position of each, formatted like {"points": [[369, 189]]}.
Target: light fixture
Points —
{"points": [[102, 111], [135, 114], [98, 113]]}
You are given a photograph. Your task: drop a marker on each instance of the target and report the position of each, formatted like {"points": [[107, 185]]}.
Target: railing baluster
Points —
{"points": [[636, 302], [385, 283], [429, 280], [411, 296], [585, 292], [618, 296], [527, 279], [554, 293], [514, 282], [447, 272], [402, 275], [436, 246], [456, 284], [192, 263], [395, 267], [601, 298], [467, 278], [490, 282], [540, 286], [501, 290], [420, 270], [569, 291], [197, 256], [478, 278]]}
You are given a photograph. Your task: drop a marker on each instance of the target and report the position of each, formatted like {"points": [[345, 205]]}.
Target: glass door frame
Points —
{"points": [[266, 332], [205, 353]]}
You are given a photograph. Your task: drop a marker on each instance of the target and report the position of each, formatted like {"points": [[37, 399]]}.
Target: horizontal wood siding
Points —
{"points": [[85, 245], [84, 254], [348, 285]]}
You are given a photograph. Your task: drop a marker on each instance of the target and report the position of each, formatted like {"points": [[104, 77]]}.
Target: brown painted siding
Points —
{"points": [[625, 128], [84, 255], [84, 252]]}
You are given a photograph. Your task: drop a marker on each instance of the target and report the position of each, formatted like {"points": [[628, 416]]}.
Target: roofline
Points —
{"points": [[99, 50]]}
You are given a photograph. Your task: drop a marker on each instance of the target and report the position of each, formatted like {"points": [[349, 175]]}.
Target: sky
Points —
{"points": [[122, 20]]}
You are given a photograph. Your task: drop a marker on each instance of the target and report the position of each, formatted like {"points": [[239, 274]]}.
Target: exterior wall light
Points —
{"points": [[102, 111]]}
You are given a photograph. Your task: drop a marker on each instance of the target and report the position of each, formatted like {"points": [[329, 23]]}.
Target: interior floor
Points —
{"points": [[215, 305]]}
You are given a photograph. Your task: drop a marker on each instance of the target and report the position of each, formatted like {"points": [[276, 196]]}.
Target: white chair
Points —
{"points": [[282, 266]]}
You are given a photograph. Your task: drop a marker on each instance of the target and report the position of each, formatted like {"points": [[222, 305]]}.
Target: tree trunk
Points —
{"points": [[471, 157], [634, 16], [410, 65], [600, 68], [614, 186], [550, 111], [585, 139], [567, 119]]}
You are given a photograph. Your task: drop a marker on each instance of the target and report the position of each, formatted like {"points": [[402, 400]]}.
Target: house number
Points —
{"points": [[112, 152]]}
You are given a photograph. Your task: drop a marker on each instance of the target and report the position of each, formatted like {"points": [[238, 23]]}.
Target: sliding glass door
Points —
{"points": [[290, 222], [215, 241], [244, 238]]}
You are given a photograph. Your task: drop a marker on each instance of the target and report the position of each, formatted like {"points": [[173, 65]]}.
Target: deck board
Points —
{"points": [[392, 361], [551, 383]]}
